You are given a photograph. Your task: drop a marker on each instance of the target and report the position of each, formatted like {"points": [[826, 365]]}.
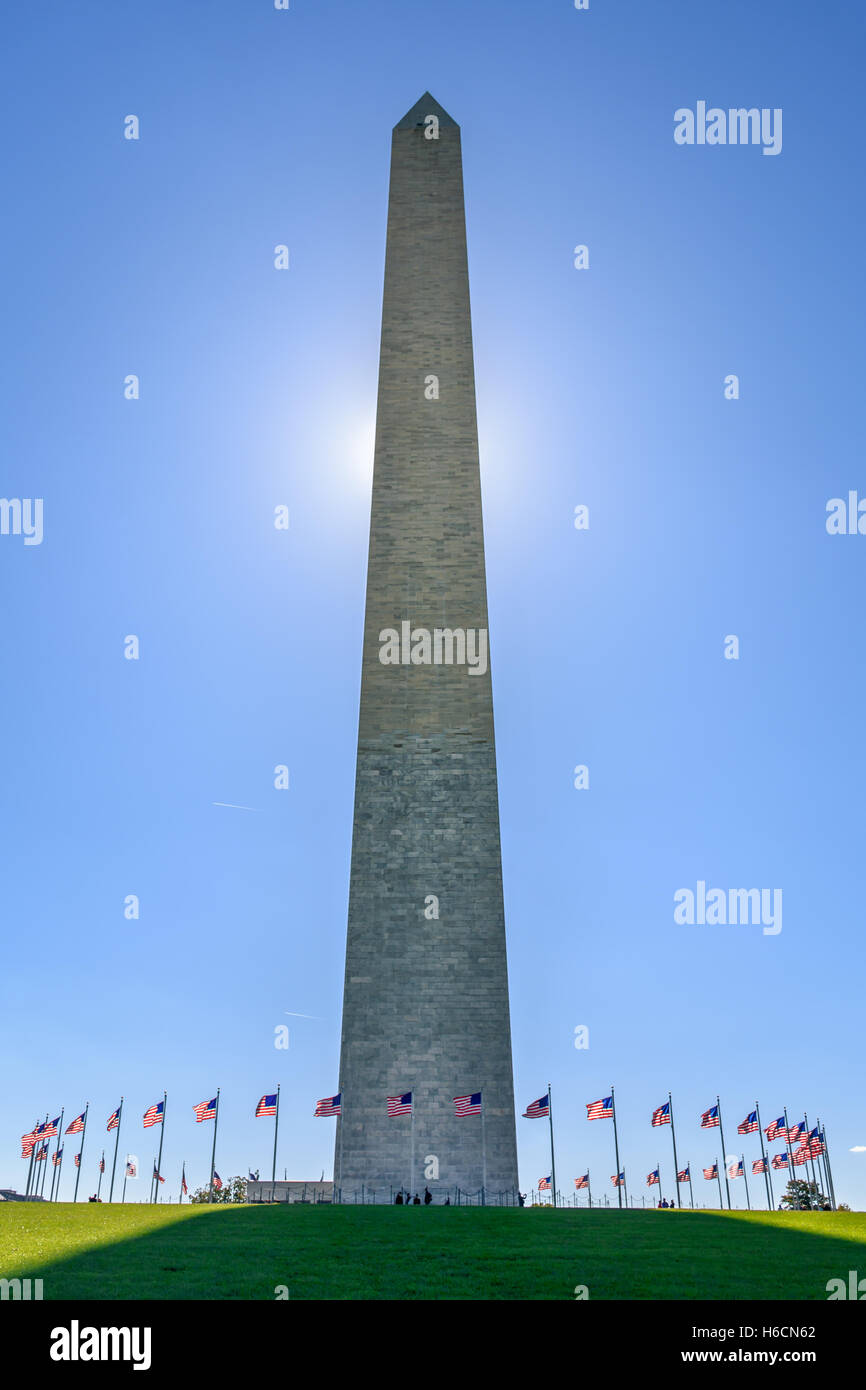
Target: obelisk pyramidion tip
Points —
{"points": [[426, 106]]}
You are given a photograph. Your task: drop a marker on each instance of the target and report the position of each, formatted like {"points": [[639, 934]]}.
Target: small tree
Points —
{"points": [[801, 1195], [232, 1190]]}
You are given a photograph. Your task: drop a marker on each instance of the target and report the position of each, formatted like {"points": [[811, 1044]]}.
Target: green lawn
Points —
{"points": [[240, 1252]]}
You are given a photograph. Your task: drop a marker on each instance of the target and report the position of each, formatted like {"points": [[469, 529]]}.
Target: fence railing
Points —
{"points": [[449, 1197]]}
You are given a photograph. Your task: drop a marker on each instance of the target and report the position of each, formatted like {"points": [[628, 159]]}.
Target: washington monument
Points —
{"points": [[425, 1006]]}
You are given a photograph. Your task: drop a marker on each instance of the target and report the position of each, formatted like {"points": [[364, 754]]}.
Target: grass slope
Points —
{"points": [[240, 1252]]}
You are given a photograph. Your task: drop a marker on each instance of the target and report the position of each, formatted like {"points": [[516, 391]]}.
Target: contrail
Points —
{"points": [[232, 807], [315, 1017]]}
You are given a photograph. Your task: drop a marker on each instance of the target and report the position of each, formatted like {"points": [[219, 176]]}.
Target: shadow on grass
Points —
{"points": [[241, 1252]]}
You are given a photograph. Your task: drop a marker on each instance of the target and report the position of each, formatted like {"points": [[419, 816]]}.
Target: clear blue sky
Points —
{"points": [[603, 387]]}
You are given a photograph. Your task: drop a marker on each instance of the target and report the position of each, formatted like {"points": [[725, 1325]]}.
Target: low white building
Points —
{"points": [[289, 1190]]}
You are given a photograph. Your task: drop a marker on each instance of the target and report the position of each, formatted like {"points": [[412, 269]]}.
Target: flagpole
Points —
{"points": [[81, 1152], [625, 1187], [340, 1123], [822, 1159], [101, 1171], [674, 1138], [811, 1155], [822, 1166], [724, 1152], [616, 1146], [746, 1181], [767, 1179], [829, 1168], [589, 1189], [412, 1145], [552, 1160], [123, 1191], [276, 1127], [116, 1142], [154, 1182], [216, 1115], [36, 1171], [45, 1169], [182, 1177], [788, 1142], [56, 1152], [30, 1167], [33, 1149], [32, 1175], [719, 1181], [691, 1188], [483, 1157], [59, 1153]]}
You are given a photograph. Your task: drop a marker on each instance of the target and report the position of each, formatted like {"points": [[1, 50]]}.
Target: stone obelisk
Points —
{"points": [[425, 1007]]}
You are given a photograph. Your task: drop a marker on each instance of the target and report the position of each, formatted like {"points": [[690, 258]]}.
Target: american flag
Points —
{"points": [[50, 1130], [776, 1130], [749, 1125], [58, 1158], [467, 1105], [599, 1109], [131, 1170], [795, 1132], [78, 1160], [815, 1143], [217, 1181], [710, 1118], [712, 1172], [684, 1175], [157, 1174], [183, 1186], [652, 1177], [759, 1165], [780, 1160], [800, 1157], [736, 1170], [77, 1125], [331, 1105], [266, 1106], [538, 1110], [154, 1115], [27, 1142], [582, 1182], [114, 1119], [618, 1181], [41, 1153], [400, 1105], [662, 1116], [102, 1164], [544, 1184], [206, 1110]]}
